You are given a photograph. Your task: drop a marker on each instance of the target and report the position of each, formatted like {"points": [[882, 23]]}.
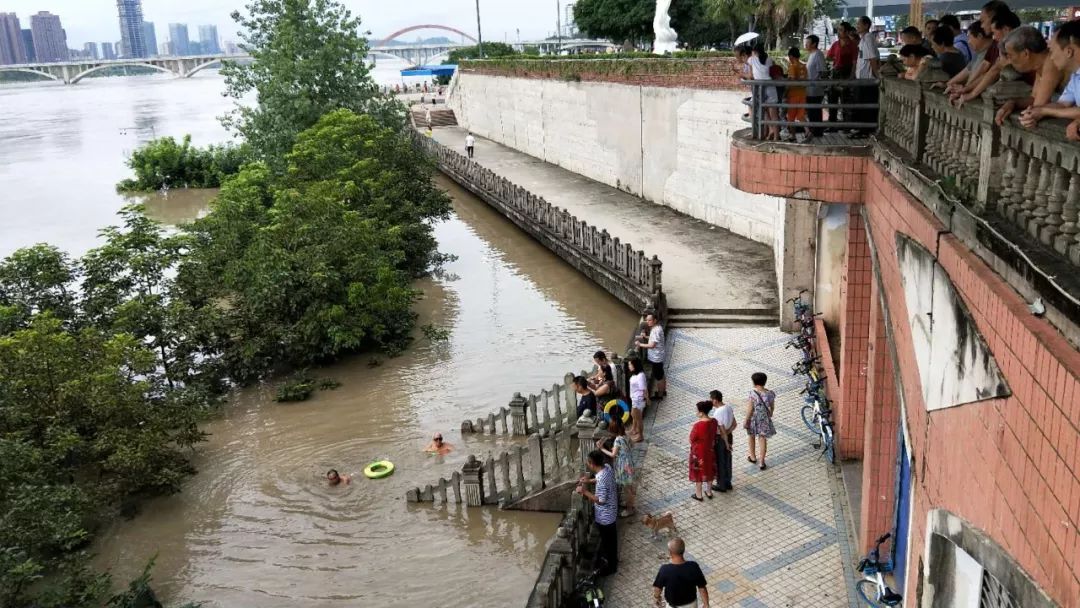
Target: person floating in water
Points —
{"points": [[335, 479], [438, 446]]}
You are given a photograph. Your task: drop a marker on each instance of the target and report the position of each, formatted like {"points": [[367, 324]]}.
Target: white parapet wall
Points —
{"points": [[667, 145]]}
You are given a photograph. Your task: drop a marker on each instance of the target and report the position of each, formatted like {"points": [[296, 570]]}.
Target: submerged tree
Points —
{"points": [[308, 58]]}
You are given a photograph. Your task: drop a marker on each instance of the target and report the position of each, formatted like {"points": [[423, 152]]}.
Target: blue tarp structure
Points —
{"points": [[430, 70]]}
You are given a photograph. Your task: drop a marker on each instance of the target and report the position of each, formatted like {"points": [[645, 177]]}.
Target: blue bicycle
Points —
{"points": [[873, 589]]}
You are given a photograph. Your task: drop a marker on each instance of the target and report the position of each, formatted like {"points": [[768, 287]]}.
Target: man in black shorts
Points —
{"points": [[653, 342], [680, 581]]}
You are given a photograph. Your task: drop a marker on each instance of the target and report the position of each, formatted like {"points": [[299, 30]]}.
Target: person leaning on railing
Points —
{"points": [[980, 42], [843, 53], [1065, 53], [998, 20], [916, 58], [1027, 52]]}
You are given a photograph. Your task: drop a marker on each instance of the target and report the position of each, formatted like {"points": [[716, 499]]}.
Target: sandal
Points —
{"points": [[764, 466], [709, 496], [697, 498], [750, 459]]}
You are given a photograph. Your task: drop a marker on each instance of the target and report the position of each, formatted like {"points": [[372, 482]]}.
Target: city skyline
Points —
{"points": [[96, 20]]}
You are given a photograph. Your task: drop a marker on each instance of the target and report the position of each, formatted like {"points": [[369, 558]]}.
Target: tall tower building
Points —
{"points": [[28, 46], [178, 36], [90, 49], [208, 40], [132, 33], [50, 39], [12, 49], [150, 36], [107, 51]]}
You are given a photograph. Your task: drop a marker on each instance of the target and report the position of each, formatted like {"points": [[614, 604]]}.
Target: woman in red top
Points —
{"points": [[703, 451], [843, 54]]}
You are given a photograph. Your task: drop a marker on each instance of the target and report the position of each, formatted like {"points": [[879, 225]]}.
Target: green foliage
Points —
{"points": [[435, 334], [622, 21], [165, 163], [299, 387], [317, 262], [491, 50], [773, 19], [309, 58]]}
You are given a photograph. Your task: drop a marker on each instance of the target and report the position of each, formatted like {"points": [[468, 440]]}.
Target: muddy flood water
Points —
{"points": [[258, 526]]}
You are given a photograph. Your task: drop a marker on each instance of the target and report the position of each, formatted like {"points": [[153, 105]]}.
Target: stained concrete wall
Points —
{"points": [[667, 145]]}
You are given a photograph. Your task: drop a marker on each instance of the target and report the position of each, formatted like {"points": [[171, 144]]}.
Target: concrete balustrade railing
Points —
{"points": [[565, 557], [1026, 177], [627, 273]]}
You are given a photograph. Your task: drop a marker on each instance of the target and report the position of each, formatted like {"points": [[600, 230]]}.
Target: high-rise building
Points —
{"points": [[90, 50], [107, 51], [132, 33], [12, 49], [50, 39], [28, 46], [208, 40], [150, 36], [231, 48], [569, 25], [178, 38]]}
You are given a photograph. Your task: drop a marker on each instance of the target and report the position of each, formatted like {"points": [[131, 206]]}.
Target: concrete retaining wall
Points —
{"points": [[667, 145]]}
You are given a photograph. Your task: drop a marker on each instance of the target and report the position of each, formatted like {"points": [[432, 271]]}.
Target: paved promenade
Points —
{"points": [[780, 537], [705, 267]]}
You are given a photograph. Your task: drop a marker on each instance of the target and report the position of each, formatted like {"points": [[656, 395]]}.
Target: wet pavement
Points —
{"points": [[780, 537], [705, 267]]}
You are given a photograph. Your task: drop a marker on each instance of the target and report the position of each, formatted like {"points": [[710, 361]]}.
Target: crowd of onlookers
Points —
{"points": [[996, 46]]}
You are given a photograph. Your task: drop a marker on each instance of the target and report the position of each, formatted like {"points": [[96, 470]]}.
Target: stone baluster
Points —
{"points": [[519, 472], [1013, 194], [504, 413], [443, 484], [519, 412], [586, 429], [551, 456], [1055, 205], [472, 474], [564, 549], [1039, 203], [544, 408], [455, 484], [655, 269], [412, 495], [489, 426], [427, 494], [1069, 231], [536, 463], [504, 476], [534, 423], [1027, 196], [1007, 179], [489, 479], [560, 418]]}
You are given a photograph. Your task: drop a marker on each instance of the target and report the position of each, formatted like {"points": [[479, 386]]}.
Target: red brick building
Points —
{"points": [[962, 404]]}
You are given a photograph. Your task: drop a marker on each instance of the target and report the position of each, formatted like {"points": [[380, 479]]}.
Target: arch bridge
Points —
{"points": [[418, 53], [71, 72]]}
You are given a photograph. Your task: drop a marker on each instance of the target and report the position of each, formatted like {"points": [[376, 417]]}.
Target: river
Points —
{"points": [[258, 526]]}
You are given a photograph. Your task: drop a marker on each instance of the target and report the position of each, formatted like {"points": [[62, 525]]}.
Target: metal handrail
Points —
{"points": [[758, 105]]}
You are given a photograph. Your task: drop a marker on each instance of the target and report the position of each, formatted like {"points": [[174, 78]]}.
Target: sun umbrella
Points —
{"points": [[747, 37]]}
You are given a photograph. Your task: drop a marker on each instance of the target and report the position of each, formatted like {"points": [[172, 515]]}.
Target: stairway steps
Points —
{"points": [[439, 118], [690, 318]]}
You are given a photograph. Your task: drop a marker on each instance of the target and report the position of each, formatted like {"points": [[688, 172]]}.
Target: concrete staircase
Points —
{"points": [[441, 117], [698, 317]]}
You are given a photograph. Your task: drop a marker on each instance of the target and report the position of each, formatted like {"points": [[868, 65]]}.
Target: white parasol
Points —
{"points": [[747, 37]]}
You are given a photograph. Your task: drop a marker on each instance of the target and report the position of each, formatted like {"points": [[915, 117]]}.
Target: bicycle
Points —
{"points": [[588, 592], [873, 586], [817, 416]]}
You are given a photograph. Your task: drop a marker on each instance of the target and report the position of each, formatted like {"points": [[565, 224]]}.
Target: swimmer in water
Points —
{"points": [[335, 479], [438, 446]]}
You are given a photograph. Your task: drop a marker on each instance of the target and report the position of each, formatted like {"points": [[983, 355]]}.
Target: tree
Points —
{"points": [[317, 262], [491, 50], [34, 280], [622, 21], [308, 58], [165, 163]]}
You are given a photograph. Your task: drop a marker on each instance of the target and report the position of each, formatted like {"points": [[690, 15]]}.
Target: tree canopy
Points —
{"points": [[491, 51]]}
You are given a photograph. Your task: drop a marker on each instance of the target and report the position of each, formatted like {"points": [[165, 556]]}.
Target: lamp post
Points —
{"points": [[558, 27], [479, 33]]}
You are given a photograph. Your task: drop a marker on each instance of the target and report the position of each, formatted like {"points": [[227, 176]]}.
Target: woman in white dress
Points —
{"points": [[760, 63]]}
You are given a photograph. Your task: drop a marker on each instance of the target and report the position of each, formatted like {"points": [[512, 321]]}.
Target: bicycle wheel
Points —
{"points": [[809, 418], [830, 451], [868, 591]]}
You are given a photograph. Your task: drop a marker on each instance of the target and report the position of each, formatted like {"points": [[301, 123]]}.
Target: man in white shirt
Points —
{"points": [[470, 144], [653, 341], [724, 415], [815, 65], [866, 67]]}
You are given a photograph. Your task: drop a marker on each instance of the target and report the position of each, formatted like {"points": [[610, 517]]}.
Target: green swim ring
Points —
{"points": [[378, 469]]}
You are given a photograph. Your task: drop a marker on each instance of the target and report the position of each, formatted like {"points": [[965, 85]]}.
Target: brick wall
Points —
{"points": [[882, 425], [826, 178], [711, 73], [854, 336], [1009, 466]]}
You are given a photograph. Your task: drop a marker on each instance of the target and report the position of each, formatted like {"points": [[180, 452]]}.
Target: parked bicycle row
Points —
{"points": [[816, 411]]}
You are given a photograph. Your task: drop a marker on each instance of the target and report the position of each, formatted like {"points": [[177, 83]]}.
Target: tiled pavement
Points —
{"points": [[780, 537]]}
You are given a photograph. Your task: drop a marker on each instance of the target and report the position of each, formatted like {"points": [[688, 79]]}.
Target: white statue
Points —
{"points": [[666, 37]]}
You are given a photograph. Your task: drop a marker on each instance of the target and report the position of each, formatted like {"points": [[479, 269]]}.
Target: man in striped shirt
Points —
{"points": [[605, 511]]}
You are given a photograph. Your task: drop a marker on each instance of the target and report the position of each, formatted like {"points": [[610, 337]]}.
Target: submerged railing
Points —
{"points": [[1026, 178]]}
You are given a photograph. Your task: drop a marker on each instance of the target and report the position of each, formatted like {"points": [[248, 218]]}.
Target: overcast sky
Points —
{"points": [[95, 20]]}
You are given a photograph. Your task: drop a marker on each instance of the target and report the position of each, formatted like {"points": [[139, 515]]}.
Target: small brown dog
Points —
{"points": [[659, 522]]}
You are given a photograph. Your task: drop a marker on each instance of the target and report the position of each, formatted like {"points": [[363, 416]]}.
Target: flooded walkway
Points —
{"points": [[705, 267], [780, 537]]}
